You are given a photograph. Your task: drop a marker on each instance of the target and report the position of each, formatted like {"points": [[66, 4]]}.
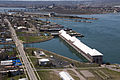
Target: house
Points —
{"points": [[21, 27], [65, 76], [8, 39], [7, 63], [2, 50], [11, 62]]}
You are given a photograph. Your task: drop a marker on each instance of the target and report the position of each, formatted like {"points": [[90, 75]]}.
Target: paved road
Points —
{"points": [[114, 69], [20, 48]]}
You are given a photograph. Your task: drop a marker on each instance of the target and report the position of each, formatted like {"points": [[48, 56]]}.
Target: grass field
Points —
{"points": [[48, 75], [30, 39], [101, 73], [15, 77], [48, 53]]}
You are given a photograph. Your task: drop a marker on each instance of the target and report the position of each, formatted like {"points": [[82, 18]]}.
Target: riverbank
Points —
{"points": [[25, 41], [30, 39], [94, 69], [60, 57]]}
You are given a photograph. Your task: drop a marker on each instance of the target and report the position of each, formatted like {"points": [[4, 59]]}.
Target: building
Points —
{"points": [[2, 50], [43, 62], [65, 76], [23, 79], [11, 62], [8, 40], [90, 54], [7, 63], [17, 62], [21, 27], [52, 14], [39, 53]]}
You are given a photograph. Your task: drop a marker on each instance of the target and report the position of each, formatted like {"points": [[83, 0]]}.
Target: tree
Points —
{"points": [[9, 74]]}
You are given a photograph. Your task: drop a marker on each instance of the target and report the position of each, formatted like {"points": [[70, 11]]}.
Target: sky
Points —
{"points": [[44, 0]]}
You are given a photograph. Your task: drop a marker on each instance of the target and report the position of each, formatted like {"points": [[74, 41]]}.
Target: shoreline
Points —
{"points": [[29, 42], [76, 63], [37, 13], [39, 41]]}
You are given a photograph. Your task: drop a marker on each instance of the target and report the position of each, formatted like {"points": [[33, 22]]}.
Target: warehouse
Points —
{"points": [[90, 54], [65, 76]]}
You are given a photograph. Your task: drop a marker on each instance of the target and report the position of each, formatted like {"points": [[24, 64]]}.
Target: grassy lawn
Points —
{"points": [[11, 53], [19, 33], [28, 39], [48, 75], [76, 63], [15, 77], [108, 74], [113, 74], [73, 74]]}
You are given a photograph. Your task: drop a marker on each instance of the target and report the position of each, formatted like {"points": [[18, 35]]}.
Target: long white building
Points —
{"points": [[65, 76], [90, 54]]}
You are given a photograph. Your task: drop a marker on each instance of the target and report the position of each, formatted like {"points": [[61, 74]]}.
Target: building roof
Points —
{"points": [[39, 53], [23, 79], [65, 35], [8, 39], [65, 76], [44, 60], [73, 39], [21, 27], [80, 45], [86, 49], [7, 62]]}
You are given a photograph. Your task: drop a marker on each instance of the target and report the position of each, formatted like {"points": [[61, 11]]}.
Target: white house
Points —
{"points": [[7, 62], [8, 39]]}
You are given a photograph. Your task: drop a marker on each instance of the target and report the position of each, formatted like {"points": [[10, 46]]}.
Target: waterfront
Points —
{"points": [[102, 34], [5, 9]]}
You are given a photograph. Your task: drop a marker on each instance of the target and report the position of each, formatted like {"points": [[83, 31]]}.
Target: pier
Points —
{"points": [[92, 55]]}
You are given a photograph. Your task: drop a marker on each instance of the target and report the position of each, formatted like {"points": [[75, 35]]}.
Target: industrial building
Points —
{"points": [[39, 53], [91, 55], [65, 76], [43, 62]]}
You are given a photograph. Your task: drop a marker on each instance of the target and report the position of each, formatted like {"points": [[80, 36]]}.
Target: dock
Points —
{"points": [[92, 55], [51, 30], [71, 34]]}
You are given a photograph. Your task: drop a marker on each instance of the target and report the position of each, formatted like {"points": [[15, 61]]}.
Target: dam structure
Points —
{"points": [[92, 55]]}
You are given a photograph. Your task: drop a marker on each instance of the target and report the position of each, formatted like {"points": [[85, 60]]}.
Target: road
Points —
{"points": [[111, 68], [20, 48]]}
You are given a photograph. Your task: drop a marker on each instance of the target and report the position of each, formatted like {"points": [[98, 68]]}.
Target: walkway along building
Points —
{"points": [[91, 55]]}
